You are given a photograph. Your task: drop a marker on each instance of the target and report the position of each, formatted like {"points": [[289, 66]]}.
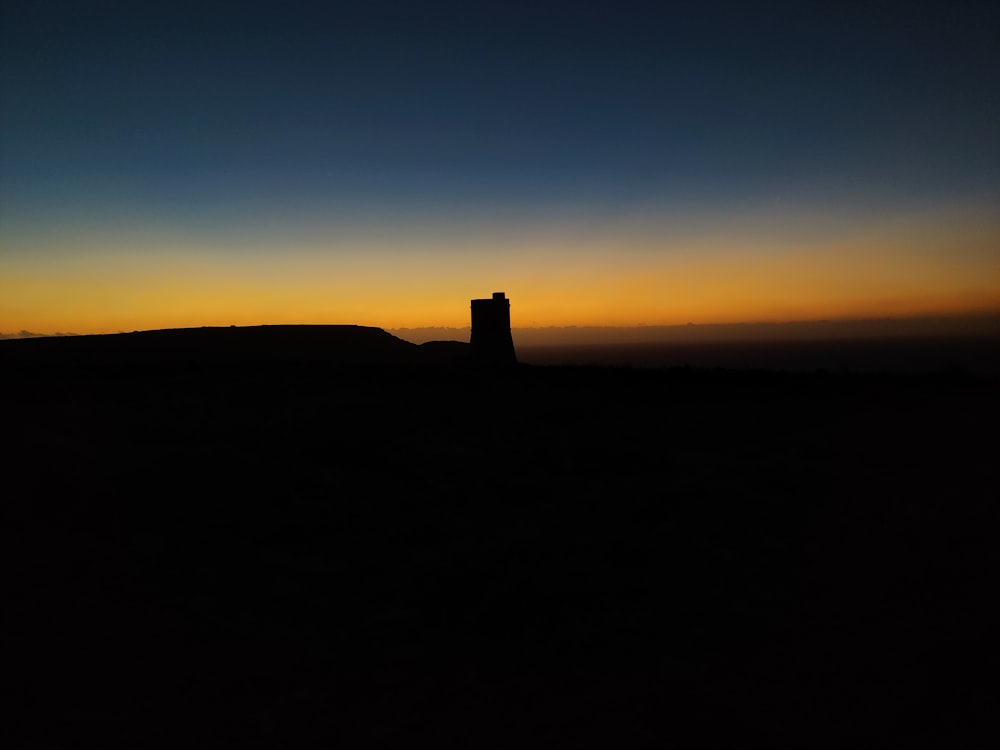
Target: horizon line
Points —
{"points": [[979, 316]]}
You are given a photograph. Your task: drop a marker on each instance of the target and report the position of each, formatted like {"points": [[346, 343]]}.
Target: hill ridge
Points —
{"points": [[343, 344]]}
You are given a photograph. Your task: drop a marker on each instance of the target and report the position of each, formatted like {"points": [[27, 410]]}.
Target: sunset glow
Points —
{"points": [[618, 170], [620, 276]]}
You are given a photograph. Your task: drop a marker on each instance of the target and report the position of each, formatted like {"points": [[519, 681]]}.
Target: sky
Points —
{"points": [[603, 163]]}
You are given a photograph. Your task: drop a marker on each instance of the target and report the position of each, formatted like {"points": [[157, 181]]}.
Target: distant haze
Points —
{"points": [[944, 326]]}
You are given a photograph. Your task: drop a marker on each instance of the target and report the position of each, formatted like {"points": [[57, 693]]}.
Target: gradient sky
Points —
{"points": [[381, 163]]}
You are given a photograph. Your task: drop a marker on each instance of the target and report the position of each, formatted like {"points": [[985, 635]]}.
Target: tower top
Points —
{"points": [[498, 295]]}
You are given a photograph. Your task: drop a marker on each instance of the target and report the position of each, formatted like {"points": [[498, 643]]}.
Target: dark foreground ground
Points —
{"points": [[319, 555]]}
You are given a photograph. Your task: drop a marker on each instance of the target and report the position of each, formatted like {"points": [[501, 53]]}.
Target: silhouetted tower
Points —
{"points": [[491, 341]]}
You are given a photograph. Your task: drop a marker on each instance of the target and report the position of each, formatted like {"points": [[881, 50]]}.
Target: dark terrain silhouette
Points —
{"points": [[234, 345], [220, 538]]}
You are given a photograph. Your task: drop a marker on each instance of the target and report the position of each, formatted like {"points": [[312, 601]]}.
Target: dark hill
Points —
{"points": [[316, 555], [340, 344]]}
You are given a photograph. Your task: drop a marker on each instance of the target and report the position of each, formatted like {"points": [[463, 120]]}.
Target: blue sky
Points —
{"points": [[201, 128]]}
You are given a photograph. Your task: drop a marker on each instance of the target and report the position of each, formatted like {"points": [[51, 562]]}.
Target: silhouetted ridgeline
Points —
{"points": [[242, 542], [348, 344], [341, 344]]}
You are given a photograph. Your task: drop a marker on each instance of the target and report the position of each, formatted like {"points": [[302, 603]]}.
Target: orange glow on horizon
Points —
{"points": [[626, 275]]}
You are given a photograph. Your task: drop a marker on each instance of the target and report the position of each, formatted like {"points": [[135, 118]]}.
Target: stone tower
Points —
{"points": [[491, 342]]}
